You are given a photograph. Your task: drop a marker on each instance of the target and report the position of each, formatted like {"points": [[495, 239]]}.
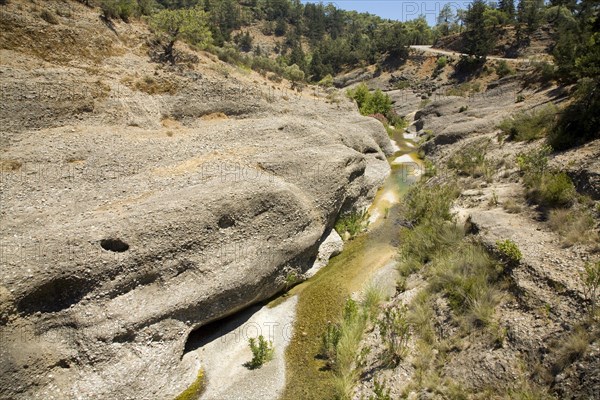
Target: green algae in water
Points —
{"points": [[321, 298]]}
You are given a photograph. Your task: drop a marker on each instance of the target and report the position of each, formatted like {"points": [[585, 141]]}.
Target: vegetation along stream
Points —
{"points": [[322, 297]]}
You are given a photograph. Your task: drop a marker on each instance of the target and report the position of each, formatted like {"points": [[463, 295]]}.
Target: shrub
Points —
{"points": [[423, 203], [262, 352], [534, 163], [347, 342], [327, 81], [395, 333], [190, 25], [153, 85], [123, 9], [329, 342], [353, 223], [482, 305], [572, 348], [503, 69], [294, 74], [464, 275], [380, 391], [574, 226], [402, 85], [529, 126], [545, 187], [372, 298], [511, 206], [376, 102], [509, 251], [397, 121], [421, 317], [591, 281], [545, 71], [579, 121], [520, 99], [463, 109], [555, 190], [464, 89], [470, 160], [441, 63]]}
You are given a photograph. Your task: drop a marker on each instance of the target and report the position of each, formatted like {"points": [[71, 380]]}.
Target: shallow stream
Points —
{"points": [[295, 320]]}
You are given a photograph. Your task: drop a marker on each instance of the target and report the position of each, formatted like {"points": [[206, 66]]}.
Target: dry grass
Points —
{"points": [[574, 226], [571, 349], [152, 85], [10, 165], [511, 206]]}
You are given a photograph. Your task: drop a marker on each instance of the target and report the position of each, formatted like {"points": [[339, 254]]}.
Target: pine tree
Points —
{"points": [[444, 19], [479, 40], [316, 68], [507, 6], [298, 57]]}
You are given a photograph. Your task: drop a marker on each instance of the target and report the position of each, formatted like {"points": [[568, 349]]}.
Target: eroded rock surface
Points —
{"points": [[129, 219]]}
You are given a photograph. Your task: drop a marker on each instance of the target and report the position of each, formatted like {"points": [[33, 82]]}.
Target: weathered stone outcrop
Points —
{"points": [[129, 224]]}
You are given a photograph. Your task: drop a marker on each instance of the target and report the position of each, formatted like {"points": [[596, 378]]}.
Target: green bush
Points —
{"points": [[380, 391], [470, 160], [353, 223], [441, 63], [329, 342], [535, 162], [340, 344], [579, 121], [429, 203], [545, 71], [327, 81], [464, 272], [503, 69], [368, 102], [555, 190], [509, 251], [530, 126], [591, 281], [262, 352], [123, 9], [545, 187], [395, 333], [294, 74]]}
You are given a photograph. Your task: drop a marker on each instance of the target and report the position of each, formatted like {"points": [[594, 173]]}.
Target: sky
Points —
{"points": [[401, 10]]}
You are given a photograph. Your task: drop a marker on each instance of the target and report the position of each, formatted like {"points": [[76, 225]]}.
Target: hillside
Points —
{"points": [[160, 207], [141, 201]]}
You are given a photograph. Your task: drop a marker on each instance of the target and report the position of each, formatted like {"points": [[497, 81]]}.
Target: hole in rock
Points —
{"points": [[226, 221], [55, 295], [116, 245]]}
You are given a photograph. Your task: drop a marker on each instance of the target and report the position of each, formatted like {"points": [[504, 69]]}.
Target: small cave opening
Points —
{"points": [[234, 324], [114, 245]]}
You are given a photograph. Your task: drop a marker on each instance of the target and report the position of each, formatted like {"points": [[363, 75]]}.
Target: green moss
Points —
{"points": [[320, 302], [194, 391]]}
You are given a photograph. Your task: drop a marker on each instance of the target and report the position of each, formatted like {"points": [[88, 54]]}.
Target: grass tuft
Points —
{"points": [[527, 126]]}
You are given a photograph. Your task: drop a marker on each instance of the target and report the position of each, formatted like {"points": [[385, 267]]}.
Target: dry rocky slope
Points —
{"points": [[140, 202], [545, 299]]}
